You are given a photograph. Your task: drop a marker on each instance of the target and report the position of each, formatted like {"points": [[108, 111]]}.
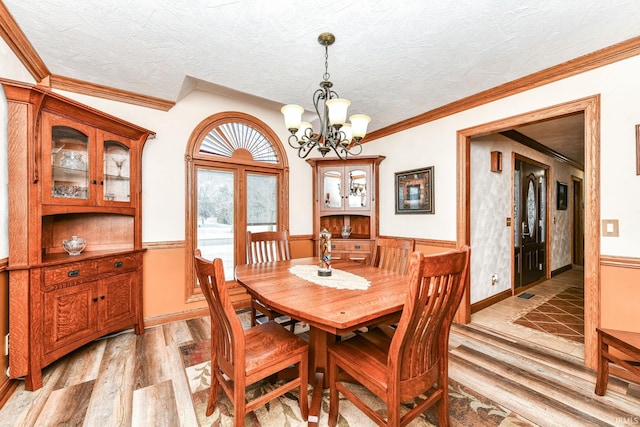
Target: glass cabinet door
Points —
{"points": [[358, 189], [116, 172], [331, 186], [69, 162]]}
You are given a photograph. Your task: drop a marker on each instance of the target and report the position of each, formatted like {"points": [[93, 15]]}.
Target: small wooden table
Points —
{"points": [[328, 311], [624, 342]]}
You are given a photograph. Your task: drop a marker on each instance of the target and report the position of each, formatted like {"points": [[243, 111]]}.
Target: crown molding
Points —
{"points": [[106, 92], [20, 45], [599, 58]]}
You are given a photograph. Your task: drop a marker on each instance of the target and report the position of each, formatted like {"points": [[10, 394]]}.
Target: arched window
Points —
{"points": [[237, 181]]}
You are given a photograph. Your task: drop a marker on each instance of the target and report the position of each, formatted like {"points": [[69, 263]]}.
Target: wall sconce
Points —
{"points": [[496, 161]]}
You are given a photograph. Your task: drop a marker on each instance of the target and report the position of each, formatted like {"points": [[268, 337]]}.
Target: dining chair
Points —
{"points": [[393, 254], [241, 357], [414, 360], [267, 246]]}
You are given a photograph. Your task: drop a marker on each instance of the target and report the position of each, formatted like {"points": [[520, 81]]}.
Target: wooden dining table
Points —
{"points": [[328, 311]]}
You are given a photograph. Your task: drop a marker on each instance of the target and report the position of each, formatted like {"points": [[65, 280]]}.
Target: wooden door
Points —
{"points": [[116, 301], [69, 316], [578, 223], [530, 228]]}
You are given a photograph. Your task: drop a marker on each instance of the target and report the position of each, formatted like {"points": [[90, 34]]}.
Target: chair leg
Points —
{"points": [[239, 404], [602, 379], [303, 373], [443, 411], [213, 393], [253, 314], [334, 401]]}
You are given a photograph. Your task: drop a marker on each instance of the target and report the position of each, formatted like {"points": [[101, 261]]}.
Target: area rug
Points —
{"points": [[467, 408], [561, 315]]}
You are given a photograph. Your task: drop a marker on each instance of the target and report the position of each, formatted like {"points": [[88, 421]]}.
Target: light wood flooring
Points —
{"points": [[130, 380], [500, 317]]}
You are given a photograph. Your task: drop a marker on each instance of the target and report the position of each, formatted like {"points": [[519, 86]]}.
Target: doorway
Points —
{"points": [[530, 222], [591, 213]]}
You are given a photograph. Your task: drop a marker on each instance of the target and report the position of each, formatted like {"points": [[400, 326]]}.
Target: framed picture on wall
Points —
{"points": [[561, 196], [414, 191]]}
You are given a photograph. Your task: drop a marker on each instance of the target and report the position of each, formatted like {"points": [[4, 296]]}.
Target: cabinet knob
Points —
{"points": [[101, 182], [94, 299], [101, 296], [118, 264], [73, 273], [93, 181]]}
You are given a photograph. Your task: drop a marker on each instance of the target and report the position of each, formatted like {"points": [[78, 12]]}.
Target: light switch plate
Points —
{"points": [[610, 228]]}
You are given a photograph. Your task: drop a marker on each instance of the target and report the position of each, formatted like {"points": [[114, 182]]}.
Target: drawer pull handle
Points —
{"points": [[73, 273], [94, 299], [333, 246], [357, 246], [118, 264]]}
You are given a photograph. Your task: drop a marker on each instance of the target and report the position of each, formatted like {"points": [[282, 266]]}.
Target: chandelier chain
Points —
{"points": [[326, 75]]}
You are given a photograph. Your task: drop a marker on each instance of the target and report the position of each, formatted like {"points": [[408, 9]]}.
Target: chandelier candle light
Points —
{"points": [[334, 134]]}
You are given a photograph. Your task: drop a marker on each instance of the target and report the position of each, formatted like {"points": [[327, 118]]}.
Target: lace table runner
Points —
{"points": [[339, 279]]}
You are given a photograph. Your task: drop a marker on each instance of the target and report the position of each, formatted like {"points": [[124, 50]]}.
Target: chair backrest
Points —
{"points": [[267, 246], [393, 254], [419, 346], [227, 334]]}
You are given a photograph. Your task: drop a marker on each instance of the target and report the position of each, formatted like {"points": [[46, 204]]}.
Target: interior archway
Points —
{"points": [[591, 108]]}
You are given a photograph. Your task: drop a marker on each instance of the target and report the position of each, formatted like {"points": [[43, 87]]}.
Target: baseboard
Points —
{"points": [[561, 270], [175, 317], [475, 307], [7, 388]]}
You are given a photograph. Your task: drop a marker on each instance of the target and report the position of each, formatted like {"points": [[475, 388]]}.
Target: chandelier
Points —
{"points": [[334, 133]]}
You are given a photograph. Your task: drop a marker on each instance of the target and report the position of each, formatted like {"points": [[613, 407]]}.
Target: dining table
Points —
{"points": [[356, 295]]}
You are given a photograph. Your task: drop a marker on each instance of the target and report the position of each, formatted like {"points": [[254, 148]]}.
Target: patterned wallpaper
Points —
{"points": [[491, 205]]}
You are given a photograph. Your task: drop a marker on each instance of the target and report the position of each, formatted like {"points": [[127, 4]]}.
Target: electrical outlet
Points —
{"points": [[494, 279], [6, 345]]}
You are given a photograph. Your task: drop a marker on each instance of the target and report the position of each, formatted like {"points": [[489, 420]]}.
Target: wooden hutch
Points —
{"points": [[346, 194], [73, 171]]}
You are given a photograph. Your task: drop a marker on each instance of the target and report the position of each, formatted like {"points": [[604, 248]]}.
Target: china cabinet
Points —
{"points": [[73, 172], [346, 195]]}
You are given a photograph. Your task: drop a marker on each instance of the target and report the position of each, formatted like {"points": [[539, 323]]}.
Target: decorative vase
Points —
{"points": [[324, 253], [74, 246]]}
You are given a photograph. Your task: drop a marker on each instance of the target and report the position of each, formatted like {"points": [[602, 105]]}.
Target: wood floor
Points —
{"points": [[130, 380]]}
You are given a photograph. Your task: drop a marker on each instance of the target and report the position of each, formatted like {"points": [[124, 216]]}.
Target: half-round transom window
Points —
{"points": [[238, 140]]}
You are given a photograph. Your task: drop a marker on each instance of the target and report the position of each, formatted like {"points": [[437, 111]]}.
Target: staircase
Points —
{"points": [[546, 387]]}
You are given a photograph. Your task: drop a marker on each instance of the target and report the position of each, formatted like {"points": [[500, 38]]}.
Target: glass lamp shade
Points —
{"points": [[338, 110], [359, 124], [346, 129], [292, 116], [303, 130]]}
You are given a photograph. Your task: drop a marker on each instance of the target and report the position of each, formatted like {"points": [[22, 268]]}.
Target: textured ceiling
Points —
{"points": [[392, 59]]}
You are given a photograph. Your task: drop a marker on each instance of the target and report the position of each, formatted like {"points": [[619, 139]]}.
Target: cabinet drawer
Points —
{"points": [[351, 245], [69, 273], [117, 264]]}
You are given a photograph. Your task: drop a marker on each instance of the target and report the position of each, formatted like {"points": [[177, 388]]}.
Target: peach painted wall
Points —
{"points": [[4, 322], [163, 283], [619, 295]]}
